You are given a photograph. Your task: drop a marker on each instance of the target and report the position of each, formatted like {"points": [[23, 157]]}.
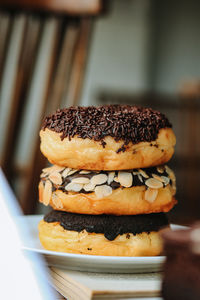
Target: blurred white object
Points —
{"points": [[21, 277]]}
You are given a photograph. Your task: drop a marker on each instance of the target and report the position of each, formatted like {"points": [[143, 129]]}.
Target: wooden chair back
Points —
{"points": [[43, 53]]}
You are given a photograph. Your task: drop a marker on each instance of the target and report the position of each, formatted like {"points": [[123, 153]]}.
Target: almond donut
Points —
{"points": [[113, 137], [130, 192], [103, 234]]}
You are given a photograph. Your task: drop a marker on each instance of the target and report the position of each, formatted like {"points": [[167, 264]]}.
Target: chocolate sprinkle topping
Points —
{"points": [[122, 122], [111, 226]]}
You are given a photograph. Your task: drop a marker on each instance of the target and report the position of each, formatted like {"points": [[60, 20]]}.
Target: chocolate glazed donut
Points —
{"points": [[107, 137], [103, 234]]}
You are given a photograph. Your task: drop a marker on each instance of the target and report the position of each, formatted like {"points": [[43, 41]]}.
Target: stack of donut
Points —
{"points": [[109, 186]]}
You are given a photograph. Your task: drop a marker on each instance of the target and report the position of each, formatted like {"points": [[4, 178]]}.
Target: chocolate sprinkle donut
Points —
{"points": [[122, 122], [109, 225]]}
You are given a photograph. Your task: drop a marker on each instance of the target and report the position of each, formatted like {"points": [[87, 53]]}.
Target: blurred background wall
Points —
{"points": [[120, 50], [144, 52], [144, 45]]}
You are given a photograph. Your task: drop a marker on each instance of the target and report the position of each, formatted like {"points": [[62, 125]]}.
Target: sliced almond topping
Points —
{"points": [[173, 178], [150, 195], [135, 173], [125, 179], [103, 191], [81, 180], [99, 179], [56, 178], [116, 179], [143, 173], [52, 169], [57, 168], [140, 178], [111, 176], [159, 178], [47, 192], [66, 172], [89, 187], [172, 175], [173, 190], [84, 172], [47, 170], [41, 190], [72, 172], [43, 175], [74, 187], [168, 170], [165, 180], [160, 169], [154, 183], [57, 202]]}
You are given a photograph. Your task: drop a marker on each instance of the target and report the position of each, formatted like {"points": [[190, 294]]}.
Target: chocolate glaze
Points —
{"points": [[109, 225], [122, 122]]}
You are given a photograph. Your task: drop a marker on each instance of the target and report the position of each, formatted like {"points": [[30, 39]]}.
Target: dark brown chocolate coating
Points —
{"points": [[109, 225], [122, 122]]}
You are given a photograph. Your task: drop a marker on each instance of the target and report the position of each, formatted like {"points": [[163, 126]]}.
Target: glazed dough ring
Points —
{"points": [[55, 238], [128, 201], [149, 195], [137, 145], [90, 155], [102, 235]]}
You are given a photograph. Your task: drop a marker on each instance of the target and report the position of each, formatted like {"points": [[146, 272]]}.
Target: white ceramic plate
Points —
{"points": [[92, 263]]}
